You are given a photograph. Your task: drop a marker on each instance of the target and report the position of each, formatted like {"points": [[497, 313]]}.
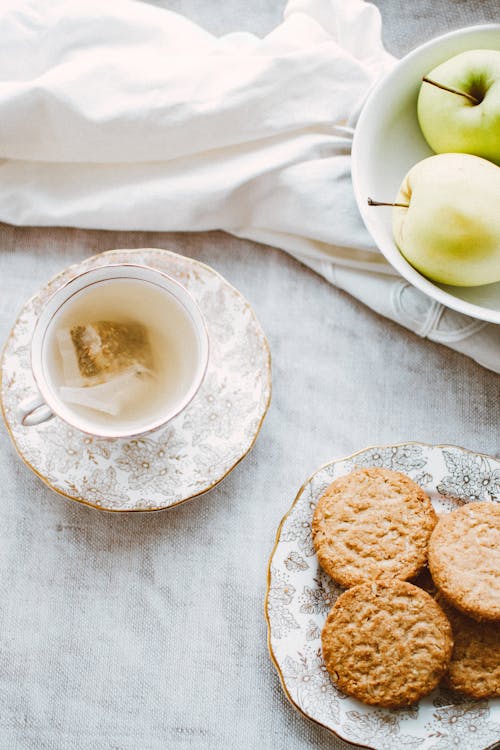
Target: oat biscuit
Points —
{"points": [[464, 559], [386, 643], [371, 524], [475, 661]]}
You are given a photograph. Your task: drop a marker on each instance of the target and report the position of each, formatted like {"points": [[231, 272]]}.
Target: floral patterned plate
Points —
{"points": [[300, 594], [197, 449]]}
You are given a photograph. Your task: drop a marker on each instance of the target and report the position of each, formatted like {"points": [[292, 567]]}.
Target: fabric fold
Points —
{"points": [[127, 116]]}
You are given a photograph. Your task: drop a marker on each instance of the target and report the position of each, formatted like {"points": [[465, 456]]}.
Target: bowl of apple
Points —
{"points": [[426, 169]]}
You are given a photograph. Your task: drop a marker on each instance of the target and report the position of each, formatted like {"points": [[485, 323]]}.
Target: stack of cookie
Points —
{"points": [[389, 642]]}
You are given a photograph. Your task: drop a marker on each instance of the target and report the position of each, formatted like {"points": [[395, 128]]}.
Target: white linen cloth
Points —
{"points": [[120, 115]]}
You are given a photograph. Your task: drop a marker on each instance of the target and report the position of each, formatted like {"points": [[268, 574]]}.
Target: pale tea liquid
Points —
{"points": [[171, 335]]}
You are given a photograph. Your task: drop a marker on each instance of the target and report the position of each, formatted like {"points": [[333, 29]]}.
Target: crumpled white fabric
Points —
{"points": [[122, 115]]}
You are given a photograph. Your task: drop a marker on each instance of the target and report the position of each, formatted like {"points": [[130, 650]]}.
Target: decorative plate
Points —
{"points": [[197, 449], [300, 594]]}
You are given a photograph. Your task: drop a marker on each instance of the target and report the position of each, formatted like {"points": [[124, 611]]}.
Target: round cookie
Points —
{"points": [[371, 524], [386, 643], [475, 661], [464, 559]]}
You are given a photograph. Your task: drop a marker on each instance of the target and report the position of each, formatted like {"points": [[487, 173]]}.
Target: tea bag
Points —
{"points": [[106, 365]]}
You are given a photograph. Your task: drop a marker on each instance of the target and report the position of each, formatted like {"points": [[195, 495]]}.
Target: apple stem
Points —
{"points": [[452, 91], [371, 202]]}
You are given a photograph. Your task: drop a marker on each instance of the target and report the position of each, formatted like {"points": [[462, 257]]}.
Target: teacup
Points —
{"points": [[121, 300]]}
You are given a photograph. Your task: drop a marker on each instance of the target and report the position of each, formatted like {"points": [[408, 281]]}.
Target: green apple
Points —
{"points": [[459, 105], [446, 220]]}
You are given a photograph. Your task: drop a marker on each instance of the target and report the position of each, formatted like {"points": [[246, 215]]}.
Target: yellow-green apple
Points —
{"points": [[459, 105], [446, 220]]}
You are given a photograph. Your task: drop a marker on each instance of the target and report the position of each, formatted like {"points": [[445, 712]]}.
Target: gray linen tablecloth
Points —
{"points": [[146, 632]]}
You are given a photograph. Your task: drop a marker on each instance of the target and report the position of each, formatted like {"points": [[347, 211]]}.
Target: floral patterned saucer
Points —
{"points": [[300, 594], [197, 449]]}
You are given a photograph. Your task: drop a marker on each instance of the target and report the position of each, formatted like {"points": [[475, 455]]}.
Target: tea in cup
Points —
{"points": [[117, 351]]}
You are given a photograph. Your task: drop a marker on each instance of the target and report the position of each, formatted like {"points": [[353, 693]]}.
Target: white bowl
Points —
{"points": [[388, 141]]}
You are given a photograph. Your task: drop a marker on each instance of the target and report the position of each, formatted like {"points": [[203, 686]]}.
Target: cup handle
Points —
{"points": [[33, 410]]}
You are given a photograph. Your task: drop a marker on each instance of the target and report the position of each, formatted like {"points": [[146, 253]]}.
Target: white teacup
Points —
{"points": [[121, 292]]}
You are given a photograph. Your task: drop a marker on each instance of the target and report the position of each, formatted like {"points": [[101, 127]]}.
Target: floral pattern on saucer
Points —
{"points": [[196, 449], [300, 595]]}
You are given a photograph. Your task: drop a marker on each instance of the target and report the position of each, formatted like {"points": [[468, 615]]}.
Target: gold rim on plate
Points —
{"points": [[277, 540]]}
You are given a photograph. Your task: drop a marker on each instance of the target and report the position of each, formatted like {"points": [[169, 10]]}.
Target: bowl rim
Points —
{"points": [[396, 259]]}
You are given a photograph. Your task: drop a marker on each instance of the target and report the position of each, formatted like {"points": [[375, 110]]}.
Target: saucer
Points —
{"points": [[190, 455], [300, 595]]}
